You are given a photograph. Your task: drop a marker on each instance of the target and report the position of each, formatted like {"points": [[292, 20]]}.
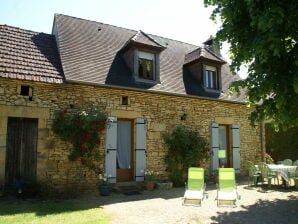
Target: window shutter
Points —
{"points": [[111, 149], [236, 147], [214, 147], [140, 149]]}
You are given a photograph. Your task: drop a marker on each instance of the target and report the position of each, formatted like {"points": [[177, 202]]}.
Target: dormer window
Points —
{"points": [[146, 65], [211, 79], [141, 54]]}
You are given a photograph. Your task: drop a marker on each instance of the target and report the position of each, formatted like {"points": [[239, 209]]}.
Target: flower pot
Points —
{"points": [[150, 185], [104, 190]]}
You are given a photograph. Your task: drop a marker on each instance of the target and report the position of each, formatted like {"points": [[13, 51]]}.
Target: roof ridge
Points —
{"points": [[88, 20], [27, 30]]}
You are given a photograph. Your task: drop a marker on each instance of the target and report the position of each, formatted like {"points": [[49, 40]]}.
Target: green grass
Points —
{"points": [[64, 212]]}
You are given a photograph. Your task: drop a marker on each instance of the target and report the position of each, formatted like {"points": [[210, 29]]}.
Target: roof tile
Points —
{"points": [[29, 55]]}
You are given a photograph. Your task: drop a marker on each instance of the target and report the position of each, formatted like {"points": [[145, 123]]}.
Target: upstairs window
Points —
{"points": [[146, 65], [211, 79]]}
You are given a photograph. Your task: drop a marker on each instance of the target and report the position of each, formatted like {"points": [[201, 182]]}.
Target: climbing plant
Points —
{"points": [[82, 129]]}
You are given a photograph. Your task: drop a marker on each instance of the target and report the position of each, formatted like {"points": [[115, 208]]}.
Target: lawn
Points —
{"points": [[40, 212]]}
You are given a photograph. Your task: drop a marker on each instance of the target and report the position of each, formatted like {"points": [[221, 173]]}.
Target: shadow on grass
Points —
{"points": [[42, 207], [276, 211]]}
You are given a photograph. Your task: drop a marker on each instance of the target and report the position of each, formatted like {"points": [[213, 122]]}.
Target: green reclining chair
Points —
{"points": [[227, 189], [195, 187]]}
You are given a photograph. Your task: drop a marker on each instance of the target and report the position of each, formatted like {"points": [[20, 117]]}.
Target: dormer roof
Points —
{"points": [[141, 38], [202, 53]]}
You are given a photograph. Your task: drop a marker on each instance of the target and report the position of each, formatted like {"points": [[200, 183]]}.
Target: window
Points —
{"points": [[146, 65], [26, 91], [124, 100], [211, 78]]}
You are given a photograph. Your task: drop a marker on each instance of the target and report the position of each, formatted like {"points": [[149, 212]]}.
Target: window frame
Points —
{"points": [[146, 57], [211, 78]]}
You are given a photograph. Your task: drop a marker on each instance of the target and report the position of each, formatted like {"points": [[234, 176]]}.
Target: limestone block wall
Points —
{"points": [[163, 112]]}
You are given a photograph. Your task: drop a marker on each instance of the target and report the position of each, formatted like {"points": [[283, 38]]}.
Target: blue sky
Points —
{"points": [[186, 21]]}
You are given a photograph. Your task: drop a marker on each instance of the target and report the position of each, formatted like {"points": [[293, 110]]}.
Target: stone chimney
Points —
{"points": [[211, 45]]}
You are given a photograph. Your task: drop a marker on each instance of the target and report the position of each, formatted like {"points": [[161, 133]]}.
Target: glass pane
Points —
{"points": [[223, 142], [145, 68], [124, 145]]}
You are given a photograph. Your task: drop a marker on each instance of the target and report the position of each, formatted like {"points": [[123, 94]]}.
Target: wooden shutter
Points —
{"points": [[214, 147], [236, 147], [111, 149], [140, 149]]}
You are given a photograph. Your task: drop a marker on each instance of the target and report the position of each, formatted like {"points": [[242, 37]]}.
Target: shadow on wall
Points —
{"points": [[277, 211]]}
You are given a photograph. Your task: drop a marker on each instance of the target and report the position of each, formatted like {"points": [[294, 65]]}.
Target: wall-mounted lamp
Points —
{"points": [[183, 117]]}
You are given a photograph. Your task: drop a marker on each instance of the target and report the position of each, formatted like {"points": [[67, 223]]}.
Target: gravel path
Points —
{"points": [[257, 205]]}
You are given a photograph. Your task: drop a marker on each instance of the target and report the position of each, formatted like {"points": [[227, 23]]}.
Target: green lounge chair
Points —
{"points": [[195, 187], [227, 189]]}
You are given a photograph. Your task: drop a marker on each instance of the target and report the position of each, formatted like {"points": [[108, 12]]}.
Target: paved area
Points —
{"points": [[257, 205]]}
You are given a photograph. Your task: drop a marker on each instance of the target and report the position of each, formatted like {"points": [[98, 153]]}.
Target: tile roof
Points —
{"points": [[29, 55], [202, 52], [143, 38], [89, 53]]}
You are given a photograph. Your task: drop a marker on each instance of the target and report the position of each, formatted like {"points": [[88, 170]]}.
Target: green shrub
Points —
{"points": [[186, 148]]}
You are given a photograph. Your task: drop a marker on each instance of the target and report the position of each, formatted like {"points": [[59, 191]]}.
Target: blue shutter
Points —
{"points": [[236, 147], [111, 149], [214, 147], [140, 149]]}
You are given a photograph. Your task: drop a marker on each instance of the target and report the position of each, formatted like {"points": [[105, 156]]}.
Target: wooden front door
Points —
{"points": [[21, 150], [124, 150]]}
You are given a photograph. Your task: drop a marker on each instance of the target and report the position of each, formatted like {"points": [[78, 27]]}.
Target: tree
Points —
{"points": [[263, 35]]}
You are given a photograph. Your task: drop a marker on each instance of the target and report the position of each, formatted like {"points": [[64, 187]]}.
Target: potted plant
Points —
{"points": [[150, 179], [104, 188]]}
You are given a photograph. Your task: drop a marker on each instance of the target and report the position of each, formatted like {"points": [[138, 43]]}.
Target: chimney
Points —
{"points": [[211, 45]]}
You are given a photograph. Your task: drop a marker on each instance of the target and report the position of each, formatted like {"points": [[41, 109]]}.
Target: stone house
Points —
{"points": [[147, 85]]}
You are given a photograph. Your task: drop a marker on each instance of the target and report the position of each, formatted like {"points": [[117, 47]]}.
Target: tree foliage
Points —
{"points": [[263, 35]]}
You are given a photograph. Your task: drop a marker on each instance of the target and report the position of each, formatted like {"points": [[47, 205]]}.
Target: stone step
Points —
{"points": [[125, 187]]}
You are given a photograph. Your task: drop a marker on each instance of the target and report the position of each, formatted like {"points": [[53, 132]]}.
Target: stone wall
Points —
{"points": [[163, 112]]}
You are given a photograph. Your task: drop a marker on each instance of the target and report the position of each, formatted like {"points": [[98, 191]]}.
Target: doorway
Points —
{"points": [[21, 152], [224, 146], [124, 159]]}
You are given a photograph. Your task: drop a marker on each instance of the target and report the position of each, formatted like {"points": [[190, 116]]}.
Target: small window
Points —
{"points": [[211, 78], [124, 100], [146, 65], [26, 91]]}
